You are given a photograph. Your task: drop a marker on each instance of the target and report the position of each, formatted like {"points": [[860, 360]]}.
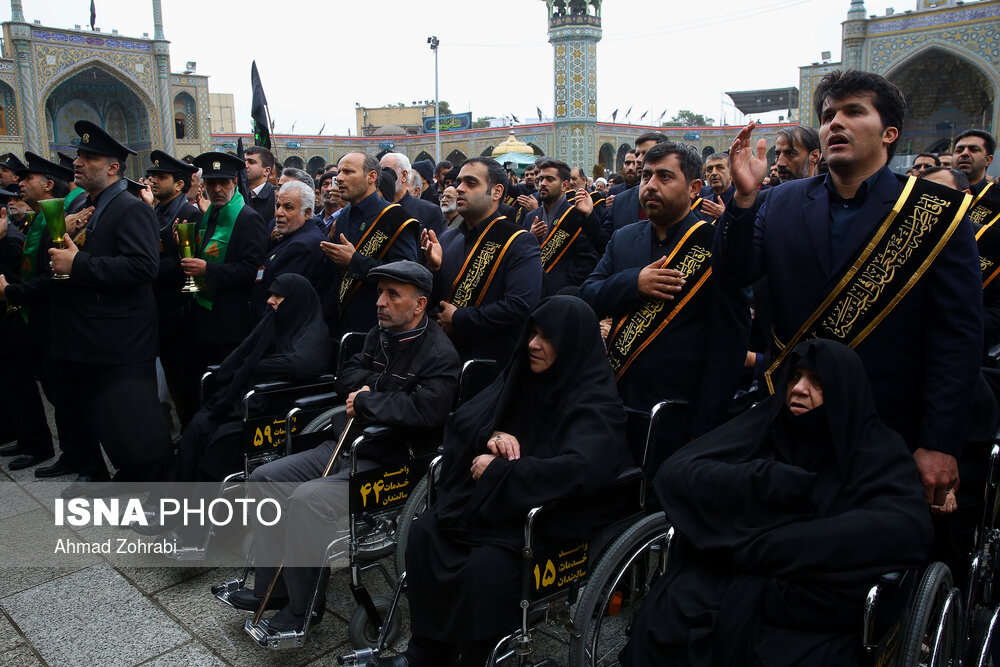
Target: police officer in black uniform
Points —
{"points": [[105, 316], [169, 179]]}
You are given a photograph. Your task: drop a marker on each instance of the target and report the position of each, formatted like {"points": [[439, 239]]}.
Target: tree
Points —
{"points": [[685, 118], [482, 122], [443, 108]]}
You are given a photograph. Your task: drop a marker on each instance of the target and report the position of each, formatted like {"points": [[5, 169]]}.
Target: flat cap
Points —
{"points": [[94, 139], [406, 271], [170, 165], [219, 165], [12, 162], [39, 165]]}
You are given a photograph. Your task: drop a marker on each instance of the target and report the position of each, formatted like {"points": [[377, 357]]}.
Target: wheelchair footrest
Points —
{"points": [[225, 589], [188, 553], [360, 658], [276, 641]]}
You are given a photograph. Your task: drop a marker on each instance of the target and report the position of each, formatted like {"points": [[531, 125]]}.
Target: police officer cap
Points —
{"points": [[39, 165], [406, 271], [65, 160], [12, 162], [134, 188], [12, 191], [170, 165], [93, 139], [219, 165]]}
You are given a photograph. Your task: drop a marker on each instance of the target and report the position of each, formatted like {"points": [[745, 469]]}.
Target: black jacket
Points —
{"points": [[413, 377], [170, 300], [106, 307], [427, 214], [232, 280], [264, 203], [298, 252]]}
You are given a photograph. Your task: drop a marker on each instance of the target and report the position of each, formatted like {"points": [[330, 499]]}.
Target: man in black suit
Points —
{"points": [[427, 214], [106, 312], [260, 163], [169, 180], [923, 355], [296, 247], [230, 257], [677, 332]]}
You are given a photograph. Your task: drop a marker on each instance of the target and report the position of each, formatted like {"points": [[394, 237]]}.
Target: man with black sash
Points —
{"points": [[567, 256], [169, 180], [105, 317], [523, 197], [487, 272], [973, 155], [231, 241], [427, 214], [888, 267], [716, 195], [370, 232], [676, 332]]}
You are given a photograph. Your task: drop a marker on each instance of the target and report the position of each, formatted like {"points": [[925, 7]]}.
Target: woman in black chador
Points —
{"points": [[551, 427], [290, 343], [785, 517]]}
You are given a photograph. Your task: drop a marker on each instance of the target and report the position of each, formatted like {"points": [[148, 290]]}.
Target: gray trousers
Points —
{"points": [[314, 513]]}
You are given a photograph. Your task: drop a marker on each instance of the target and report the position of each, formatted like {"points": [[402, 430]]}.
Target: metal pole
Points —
{"points": [[437, 102]]}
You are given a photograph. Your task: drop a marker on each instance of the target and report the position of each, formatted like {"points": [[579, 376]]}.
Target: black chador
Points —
{"points": [[784, 523]]}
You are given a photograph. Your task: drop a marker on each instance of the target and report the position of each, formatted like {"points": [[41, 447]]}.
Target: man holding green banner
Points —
{"points": [[232, 239]]}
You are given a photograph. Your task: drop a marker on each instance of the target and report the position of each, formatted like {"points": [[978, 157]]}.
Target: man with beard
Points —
{"points": [[523, 197], [567, 256], [427, 214], [169, 180], [370, 233], [488, 274], [670, 312], [796, 153], [920, 335], [449, 207], [973, 154]]}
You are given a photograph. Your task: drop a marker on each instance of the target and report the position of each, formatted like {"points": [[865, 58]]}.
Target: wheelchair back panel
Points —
{"points": [[554, 569], [386, 487], [265, 424]]}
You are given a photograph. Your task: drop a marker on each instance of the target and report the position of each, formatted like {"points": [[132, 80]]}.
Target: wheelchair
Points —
{"points": [[376, 498], [555, 571], [982, 601], [264, 428]]}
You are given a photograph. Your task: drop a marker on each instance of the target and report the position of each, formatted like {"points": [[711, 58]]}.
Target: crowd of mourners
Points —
{"points": [[820, 322]]}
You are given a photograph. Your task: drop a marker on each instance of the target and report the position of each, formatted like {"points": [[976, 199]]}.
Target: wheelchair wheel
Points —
{"points": [[984, 632], [932, 622], [415, 505], [322, 420], [363, 633], [616, 589]]}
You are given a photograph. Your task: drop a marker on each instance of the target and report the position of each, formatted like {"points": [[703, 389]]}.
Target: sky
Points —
{"points": [[317, 59]]}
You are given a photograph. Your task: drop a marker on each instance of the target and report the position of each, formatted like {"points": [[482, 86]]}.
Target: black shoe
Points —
{"points": [[245, 599], [26, 461], [13, 449], [86, 486], [286, 621], [57, 469], [391, 661]]}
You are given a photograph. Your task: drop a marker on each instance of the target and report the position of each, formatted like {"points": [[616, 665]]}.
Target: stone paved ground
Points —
{"points": [[105, 616]]}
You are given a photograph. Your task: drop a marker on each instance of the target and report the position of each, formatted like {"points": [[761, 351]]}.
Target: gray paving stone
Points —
{"points": [[156, 579], [221, 627], [14, 500], [192, 654], [93, 617], [10, 638], [21, 656]]}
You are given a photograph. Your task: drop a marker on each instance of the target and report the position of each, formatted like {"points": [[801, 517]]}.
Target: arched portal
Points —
{"points": [[706, 151], [606, 157], [294, 161], [488, 152], [937, 108], [95, 94], [536, 148], [8, 111], [316, 164], [424, 155], [185, 117], [620, 160], [456, 157]]}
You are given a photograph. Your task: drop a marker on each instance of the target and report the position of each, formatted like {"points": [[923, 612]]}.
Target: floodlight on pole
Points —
{"points": [[434, 41]]}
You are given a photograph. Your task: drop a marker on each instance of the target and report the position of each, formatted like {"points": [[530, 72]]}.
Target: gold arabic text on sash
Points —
{"points": [[374, 243], [905, 243], [481, 265], [559, 240], [985, 208], [630, 334]]}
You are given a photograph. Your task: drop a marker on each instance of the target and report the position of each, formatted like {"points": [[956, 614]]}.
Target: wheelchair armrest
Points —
{"points": [[878, 616], [380, 432], [272, 386], [213, 368], [317, 401], [994, 354]]}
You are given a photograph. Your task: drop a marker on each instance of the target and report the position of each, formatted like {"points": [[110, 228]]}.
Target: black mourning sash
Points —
{"points": [[985, 209], [896, 256], [988, 241], [375, 242], [560, 238], [630, 335], [482, 263]]}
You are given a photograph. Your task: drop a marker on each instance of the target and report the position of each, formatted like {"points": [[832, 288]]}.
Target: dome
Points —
{"points": [[513, 145], [389, 131]]}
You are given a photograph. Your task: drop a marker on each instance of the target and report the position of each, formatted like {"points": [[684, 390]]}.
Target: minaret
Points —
{"points": [[574, 31], [161, 53], [20, 34], [855, 29]]}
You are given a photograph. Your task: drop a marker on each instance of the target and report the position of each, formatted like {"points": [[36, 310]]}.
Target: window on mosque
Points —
{"points": [[3, 120], [179, 126]]}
